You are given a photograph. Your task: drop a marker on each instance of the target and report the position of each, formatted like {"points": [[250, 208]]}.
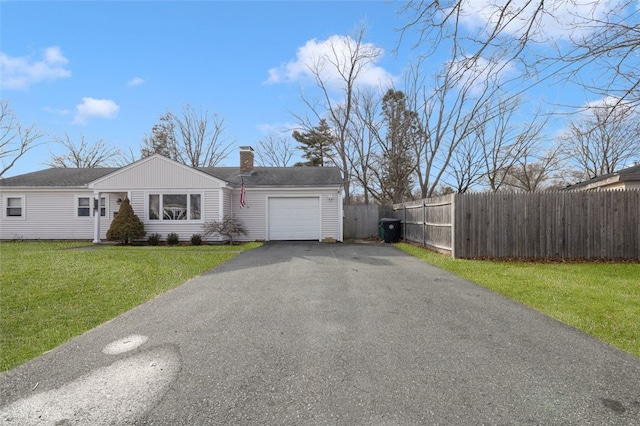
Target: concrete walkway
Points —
{"points": [[335, 334]]}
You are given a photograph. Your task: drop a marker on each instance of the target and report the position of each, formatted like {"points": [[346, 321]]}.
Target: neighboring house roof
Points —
{"points": [[261, 176], [630, 174]]}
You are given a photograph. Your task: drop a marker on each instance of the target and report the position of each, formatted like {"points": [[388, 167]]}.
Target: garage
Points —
{"points": [[294, 218]]}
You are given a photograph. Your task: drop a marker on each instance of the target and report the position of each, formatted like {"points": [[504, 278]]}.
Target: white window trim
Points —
{"points": [[91, 212], [161, 219], [23, 206]]}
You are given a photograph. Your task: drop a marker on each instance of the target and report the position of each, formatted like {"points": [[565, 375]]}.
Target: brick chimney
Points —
{"points": [[246, 159]]}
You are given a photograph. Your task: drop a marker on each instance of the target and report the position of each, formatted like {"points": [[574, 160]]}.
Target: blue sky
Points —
{"points": [[108, 70]]}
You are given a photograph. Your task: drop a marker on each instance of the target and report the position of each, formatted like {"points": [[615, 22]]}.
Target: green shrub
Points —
{"points": [[173, 239], [154, 239], [126, 226], [196, 240]]}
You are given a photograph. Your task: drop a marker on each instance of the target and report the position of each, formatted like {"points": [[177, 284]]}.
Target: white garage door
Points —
{"points": [[294, 218]]}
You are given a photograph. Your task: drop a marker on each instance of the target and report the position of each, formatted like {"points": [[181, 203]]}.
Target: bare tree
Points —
{"points": [[15, 140], [505, 143], [488, 45], [128, 157], [200, 138], [611, 43], [466, 165], [84, 156], [533, 171], [605, 139], [195, 138], [346, 58], [447, 111], [601, 35], [162, 139], [275, 151], [365, 132]]}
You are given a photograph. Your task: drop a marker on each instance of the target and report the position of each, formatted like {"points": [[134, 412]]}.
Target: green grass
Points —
{"points": [[50, 294], [602, 299]]}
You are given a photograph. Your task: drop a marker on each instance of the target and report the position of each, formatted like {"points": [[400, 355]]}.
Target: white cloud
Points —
{"points": [[280, 128], [610, 103], [95, 108], [136, 81], [605, 102], [561, 19], [57, 111], [21, 72], [475, 73], [328, 56]]}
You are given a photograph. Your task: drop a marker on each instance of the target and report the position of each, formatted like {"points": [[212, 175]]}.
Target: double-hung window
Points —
{"points": [[175, 206], [14, 206], [84, 206]]}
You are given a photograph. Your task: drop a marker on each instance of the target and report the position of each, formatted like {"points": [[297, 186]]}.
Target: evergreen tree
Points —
{"points": [[126, 226], [317, 144]]}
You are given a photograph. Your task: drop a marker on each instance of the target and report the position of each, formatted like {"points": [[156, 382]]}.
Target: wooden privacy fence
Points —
{"points": [[361, 221], [427, 221], [543, 225]]}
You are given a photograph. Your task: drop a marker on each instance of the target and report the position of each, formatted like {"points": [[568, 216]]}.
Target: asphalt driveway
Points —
{"points": [[337, 334]]}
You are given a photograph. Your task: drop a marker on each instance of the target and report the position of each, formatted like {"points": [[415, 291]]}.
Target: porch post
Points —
{"points": [[96, 218]]}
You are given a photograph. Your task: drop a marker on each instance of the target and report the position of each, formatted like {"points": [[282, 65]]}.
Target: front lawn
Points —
{"points": [[602, 299], [50, 293]]}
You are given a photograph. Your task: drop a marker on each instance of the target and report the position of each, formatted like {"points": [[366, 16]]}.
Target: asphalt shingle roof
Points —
{"points": [[278, 176], [261, 176], [57, 177]]}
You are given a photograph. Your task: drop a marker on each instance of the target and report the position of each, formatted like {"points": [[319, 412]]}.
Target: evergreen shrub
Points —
{"points": [[154, 239], [173, 239], [126, 226]]}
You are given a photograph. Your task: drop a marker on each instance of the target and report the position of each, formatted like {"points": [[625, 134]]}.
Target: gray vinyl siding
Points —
{"points": [[212, 205], [137, 199], [50, 211], [51, 215], [331, 215], [254, 215], [156, 173], [227, 204]]}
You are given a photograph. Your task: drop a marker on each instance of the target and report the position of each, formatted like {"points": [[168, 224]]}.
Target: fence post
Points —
{"points": [[424, 224], [404, 228], [453, 225]]}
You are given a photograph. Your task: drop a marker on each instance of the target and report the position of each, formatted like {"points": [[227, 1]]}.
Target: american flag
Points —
{"points": [[243, 201]]}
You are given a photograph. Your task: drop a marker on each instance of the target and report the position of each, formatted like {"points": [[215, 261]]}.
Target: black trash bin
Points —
{"points": [[391, 229]]}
